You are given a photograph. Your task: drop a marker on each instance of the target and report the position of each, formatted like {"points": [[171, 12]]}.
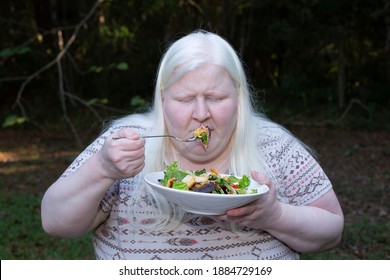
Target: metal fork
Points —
{"points": [[193, 138]]}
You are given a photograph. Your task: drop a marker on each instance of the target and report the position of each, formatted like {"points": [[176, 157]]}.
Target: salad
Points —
{"points": [[205, 182], [203, 135]]}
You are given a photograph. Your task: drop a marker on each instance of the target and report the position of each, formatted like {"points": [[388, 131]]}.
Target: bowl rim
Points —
{"points": [[264, 188]]}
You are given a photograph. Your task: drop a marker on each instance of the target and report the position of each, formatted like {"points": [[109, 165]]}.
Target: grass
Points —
{"points": [[364, 239], [22, 236], [27, 167], [356, 162]]}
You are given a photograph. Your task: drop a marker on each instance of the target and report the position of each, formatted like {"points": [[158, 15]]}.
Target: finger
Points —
{"points": [[241, 211], [129, 144], [131, 169], [137, 145], [128, 156], [128, 159], [136, 165], [219, 217], [126, 133], [261, 178]]}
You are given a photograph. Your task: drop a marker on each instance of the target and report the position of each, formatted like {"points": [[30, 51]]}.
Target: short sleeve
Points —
{"points": [[299, 178], [112, 193]]}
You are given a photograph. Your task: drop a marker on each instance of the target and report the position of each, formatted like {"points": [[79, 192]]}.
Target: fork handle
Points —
{"points": [[155, 136], [146, 136]]}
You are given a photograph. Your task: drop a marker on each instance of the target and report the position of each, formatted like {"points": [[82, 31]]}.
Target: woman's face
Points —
{"points": [[205, 96]]}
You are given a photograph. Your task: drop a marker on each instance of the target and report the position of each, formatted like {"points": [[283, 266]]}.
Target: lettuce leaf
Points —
{"points": [[180, 186], [173, 171]]}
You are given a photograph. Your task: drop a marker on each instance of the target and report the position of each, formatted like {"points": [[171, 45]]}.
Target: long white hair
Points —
{"points": [[192, 51], [195, 50]]}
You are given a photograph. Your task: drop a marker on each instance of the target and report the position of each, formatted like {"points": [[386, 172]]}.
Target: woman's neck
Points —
{"points": [[221, 162], [221, 165]]}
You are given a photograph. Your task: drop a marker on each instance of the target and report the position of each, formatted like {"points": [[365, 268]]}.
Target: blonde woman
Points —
{"points": [[200, 81]]}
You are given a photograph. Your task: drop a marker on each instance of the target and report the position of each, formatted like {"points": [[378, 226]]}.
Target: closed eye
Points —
{"points": [[185, 99], [215, 98]]}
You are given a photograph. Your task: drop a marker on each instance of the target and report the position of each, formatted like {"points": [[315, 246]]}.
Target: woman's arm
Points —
{"points": [[312, 228], [70, 206]]}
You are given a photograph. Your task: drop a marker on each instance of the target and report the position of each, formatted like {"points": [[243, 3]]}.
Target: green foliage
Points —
{"points": [[122, 66], [97, 101], [14, 120], [138, 101], [289, 47], [8, 52], [96, 69], [22, 236]]}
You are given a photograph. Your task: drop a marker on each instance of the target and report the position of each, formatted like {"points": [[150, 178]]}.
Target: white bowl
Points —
{"points": [[204, 203]]}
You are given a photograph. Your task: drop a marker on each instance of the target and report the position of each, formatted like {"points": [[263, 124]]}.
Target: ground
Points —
{"points": [[357, 162]]}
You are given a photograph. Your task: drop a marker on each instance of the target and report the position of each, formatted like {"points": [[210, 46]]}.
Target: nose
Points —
{"points": [[201, 111]]}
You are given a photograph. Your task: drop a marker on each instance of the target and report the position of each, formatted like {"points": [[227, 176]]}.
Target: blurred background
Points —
{"points": [[319, 67]]}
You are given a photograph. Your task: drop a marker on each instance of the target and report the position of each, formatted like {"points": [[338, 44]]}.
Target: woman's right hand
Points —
{"points": [[123, 157]]}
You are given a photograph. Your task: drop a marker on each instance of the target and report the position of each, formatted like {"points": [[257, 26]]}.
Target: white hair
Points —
{"points": [[195, 50]]}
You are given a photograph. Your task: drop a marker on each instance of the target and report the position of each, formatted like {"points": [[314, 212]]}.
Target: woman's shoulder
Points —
{"points": [[271, 135], [141, 123], [268, 129]]}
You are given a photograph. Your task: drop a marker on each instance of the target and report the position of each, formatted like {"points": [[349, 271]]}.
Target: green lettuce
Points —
{"points": [[173, 171], [180, 186]]}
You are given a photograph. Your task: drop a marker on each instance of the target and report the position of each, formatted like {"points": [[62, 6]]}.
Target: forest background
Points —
{"points": [[319, 67]]}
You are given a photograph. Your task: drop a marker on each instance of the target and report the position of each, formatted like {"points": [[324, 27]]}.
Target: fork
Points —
{"points": [[191, 139]]}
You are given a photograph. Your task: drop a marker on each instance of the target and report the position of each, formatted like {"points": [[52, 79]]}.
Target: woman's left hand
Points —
{"points": [[259, 214], [308, 228]]}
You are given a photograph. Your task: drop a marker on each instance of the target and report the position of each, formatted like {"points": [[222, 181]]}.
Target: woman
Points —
{"points": [[200, 81]]}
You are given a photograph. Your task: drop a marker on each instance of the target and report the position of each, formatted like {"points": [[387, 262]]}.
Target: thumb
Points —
{"points": [[260, 178]]}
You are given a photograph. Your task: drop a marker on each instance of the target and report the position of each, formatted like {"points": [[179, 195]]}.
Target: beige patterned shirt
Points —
{"points": [[300, 179]]}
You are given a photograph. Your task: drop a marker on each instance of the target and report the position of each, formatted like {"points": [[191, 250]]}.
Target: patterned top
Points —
{"points": [[300, 181]]}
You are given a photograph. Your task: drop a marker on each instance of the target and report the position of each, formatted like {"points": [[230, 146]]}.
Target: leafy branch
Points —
{"points": [[57, 61]]}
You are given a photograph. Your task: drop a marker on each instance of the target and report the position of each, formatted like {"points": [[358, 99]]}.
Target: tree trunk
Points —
{"points": [[387, 20], [341, 75]]}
